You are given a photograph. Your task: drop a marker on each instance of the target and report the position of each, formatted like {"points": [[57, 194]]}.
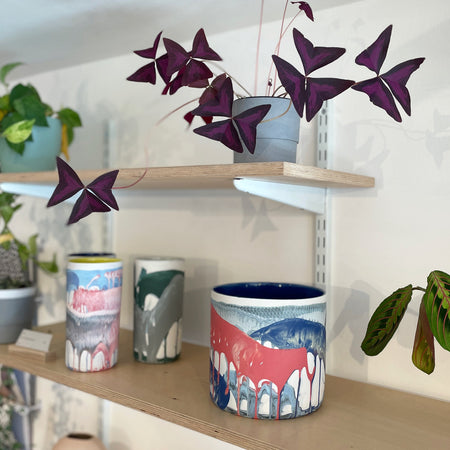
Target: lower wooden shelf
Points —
{"points": [[353, 415]]}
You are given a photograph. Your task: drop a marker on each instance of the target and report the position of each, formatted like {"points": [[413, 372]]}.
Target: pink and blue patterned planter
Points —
{"points": [[267, 349]]}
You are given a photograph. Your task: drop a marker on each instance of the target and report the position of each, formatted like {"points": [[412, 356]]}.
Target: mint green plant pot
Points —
{"points": [[39, 155]]}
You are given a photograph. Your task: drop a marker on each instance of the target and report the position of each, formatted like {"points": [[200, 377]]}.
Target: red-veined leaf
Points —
{"points": [[423, 350], [385, 320], [437, 306]]}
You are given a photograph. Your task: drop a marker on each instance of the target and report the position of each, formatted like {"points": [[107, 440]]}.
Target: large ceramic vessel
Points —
{"points": [[267, 349]]}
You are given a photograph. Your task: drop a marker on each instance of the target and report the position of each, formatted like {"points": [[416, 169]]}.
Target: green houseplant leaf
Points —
{"points": [[19, 131], [6, 69], [423, 349], [437, 306], [385, 321]]}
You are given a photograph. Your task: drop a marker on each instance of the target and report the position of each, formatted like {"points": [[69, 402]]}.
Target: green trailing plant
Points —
{"points": [[433, 322], [14, 273], [21, 109], [7, 398]]}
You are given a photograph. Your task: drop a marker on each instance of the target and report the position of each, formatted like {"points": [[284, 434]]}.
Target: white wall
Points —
{"points": [[382, 238]]}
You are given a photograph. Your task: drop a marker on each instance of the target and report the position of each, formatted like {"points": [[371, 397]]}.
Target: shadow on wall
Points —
{"points": [[437, 140], [201, 277], [354, 315]]}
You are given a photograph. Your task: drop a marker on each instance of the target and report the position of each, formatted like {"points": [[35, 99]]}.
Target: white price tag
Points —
{"points": [[34, 340]]}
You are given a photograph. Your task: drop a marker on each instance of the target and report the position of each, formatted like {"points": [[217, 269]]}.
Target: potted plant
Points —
{"points": [[433, 322], [18, 261], [32, 133], [238, 127], [290, 92]]}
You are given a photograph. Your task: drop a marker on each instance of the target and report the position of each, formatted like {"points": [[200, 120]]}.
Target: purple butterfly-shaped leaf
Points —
{"points": [[379, 95], [304, 6], [96, 196], [222, 131], [210, 94], [175, 84], [150, 52], [147, 73], [178, 58], [293, 81], [225, 131], [247, 121], [373, 57], [308, 94], [69, 183], [195, 71], [219, 105], [314, 58], [162, 64], [102, 188], [395, 79], [318, 90], [86, 204], [201, 48]]}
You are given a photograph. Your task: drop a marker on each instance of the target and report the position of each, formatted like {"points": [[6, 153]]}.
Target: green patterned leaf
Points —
{"points": [[19, 132], [385, 320], [437, 306], [423, 350]]}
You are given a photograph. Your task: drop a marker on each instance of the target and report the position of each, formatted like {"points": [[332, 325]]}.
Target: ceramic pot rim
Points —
{"points": [[156, 258], [94, 263], [7, 294], [250, 293]]}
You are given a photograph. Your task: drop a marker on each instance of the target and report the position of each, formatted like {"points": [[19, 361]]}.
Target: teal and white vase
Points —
{"points": [[158, 309]]}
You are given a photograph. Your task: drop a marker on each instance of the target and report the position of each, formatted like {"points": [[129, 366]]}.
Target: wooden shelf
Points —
{"points": [[353, 414], [208, 176]]}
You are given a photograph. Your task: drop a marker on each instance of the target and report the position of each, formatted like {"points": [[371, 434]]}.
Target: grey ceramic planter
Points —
{"points": [[17, 307], [277, 135]]}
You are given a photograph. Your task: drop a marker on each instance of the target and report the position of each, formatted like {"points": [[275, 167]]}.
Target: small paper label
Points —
{"points": [[34, 340]]}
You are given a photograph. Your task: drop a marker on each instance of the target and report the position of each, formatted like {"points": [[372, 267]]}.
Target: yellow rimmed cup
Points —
{"points": [[94, 291]]}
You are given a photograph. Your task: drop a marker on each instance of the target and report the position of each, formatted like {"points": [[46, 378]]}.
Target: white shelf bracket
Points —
{"points": [[322, 233], [33, 190], [303, 197]]}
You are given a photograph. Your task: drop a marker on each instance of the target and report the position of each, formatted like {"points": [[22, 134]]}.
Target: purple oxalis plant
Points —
{"points": [[197, 68]]}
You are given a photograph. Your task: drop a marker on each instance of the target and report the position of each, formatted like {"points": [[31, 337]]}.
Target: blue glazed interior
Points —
{"points": [[282, 291]]}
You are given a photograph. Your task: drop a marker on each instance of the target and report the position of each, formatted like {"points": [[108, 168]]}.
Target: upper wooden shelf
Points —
{"points": [[219, 176], [353, 414]]}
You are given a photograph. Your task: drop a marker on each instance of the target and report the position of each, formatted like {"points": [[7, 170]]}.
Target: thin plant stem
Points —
{"points": [[175, 110], [277, 48], [418, 288], [277, 51], [234, 79], [258, 44]]}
